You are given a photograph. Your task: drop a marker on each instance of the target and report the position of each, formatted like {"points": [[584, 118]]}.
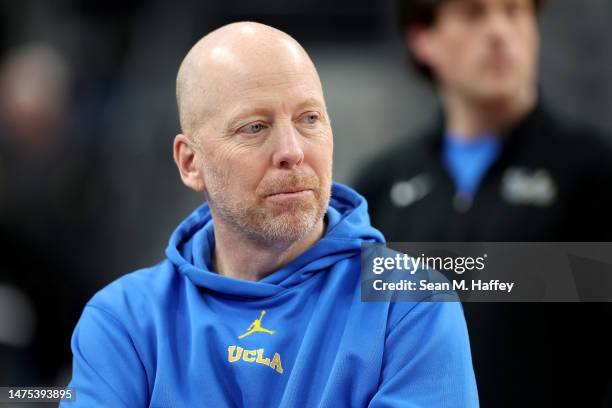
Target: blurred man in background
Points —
{"points": [[499, 166]]}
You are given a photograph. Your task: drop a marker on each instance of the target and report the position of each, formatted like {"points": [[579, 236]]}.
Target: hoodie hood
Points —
{"points": [[348, 225]]}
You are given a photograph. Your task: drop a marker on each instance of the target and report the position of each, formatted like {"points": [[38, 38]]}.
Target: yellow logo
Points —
{"points": [[234, 353], [256, 327]]}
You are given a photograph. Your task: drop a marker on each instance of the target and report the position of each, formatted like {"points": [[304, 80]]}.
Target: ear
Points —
{"points": [[185, 159], [419, 40]]}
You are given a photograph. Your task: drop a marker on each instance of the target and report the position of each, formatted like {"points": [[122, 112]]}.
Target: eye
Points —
{"points": [[252, 128], [472, 11], [512, 9], [310, 118]]}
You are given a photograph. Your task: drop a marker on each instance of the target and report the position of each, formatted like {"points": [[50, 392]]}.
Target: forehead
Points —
{"points": [[251, 70], [452, 4], [269, 87]]}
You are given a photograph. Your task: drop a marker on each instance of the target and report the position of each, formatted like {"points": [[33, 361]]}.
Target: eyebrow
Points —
{"points": [[312, 101]]}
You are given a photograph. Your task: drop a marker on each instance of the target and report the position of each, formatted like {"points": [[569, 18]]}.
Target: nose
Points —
{"points": [[499, 26], [288, 149]]}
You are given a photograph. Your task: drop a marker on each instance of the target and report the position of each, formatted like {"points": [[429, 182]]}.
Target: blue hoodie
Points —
{"points": [[180, 335]]}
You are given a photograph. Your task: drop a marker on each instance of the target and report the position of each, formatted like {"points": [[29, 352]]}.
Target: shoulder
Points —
{"points": [[399, 160], [576, 139], [137, 294], [115, 341]]}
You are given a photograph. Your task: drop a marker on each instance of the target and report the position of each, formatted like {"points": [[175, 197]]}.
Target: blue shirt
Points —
{"points": [[467, 161]]}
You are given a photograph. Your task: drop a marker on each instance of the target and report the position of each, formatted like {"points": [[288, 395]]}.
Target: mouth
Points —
{"points": [[499, 63], [294, 192]]}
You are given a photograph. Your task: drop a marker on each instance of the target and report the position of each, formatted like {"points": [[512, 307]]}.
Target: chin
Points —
{"points": [[499, 93], [287, 226], [287, 231]]}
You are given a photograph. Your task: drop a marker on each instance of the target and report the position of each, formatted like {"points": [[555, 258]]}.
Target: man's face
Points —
{"points": [[266, 151], [484, 49]]}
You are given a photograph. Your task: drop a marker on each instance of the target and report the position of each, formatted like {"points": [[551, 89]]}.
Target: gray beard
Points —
{"points": [[265, 226]]}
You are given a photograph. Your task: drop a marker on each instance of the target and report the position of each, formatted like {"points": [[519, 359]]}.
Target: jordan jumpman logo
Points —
{"points": [[256, 327]]}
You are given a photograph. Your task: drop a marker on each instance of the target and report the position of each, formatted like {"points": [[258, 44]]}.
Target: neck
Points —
{"points": [[240, 257], [469, 119]]}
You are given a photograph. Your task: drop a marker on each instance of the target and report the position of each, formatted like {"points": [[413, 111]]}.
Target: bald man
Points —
{"points": [[258, 302]]}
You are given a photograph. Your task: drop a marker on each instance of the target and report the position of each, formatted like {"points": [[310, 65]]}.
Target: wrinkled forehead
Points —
{"points": [[260, 76], [473, 5]]}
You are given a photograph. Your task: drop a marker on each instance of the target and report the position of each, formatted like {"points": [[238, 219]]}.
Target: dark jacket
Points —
{"points": [[570, 166], [551, 182]]}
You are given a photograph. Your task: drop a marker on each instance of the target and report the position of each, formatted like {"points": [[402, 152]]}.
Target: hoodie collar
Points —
{"points": [[348, 225]]}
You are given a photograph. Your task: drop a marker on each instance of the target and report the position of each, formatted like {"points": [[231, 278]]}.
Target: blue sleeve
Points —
{"points": [[106, 369], [427, 361]]}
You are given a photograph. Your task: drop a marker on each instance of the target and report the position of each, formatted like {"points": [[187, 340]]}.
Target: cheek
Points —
{"points": [[528, 45], [234, 171], [455, 52], [321, 158], [244, 173]]}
